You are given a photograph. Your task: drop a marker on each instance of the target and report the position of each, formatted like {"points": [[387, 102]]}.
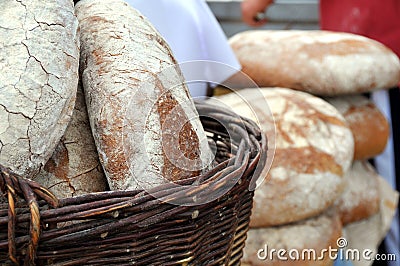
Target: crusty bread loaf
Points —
{"points": [[365, 234], [319, 62], [369, 126], [305, 237], [368, 234], [74, 168], [39, 56], [144, 122], [314, 148], [360, 198]]}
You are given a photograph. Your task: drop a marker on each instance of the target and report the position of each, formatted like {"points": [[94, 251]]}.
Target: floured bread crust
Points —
{"points": [[314, 234], [39, 51], [144, 122], [74, 168], [369, 126], [314, 148], [360, 198], [319, 62]]}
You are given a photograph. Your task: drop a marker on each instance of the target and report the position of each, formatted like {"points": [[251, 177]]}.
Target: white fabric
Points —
{"points": [[384, 164], [193, 33]]}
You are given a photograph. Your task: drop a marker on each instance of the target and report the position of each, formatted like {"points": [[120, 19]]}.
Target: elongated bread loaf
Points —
{"points": [[369, 126], [144, 122], [74, 168], [39, 56], [318, 62]]}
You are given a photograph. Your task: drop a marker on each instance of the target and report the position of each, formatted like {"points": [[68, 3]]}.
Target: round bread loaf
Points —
{"points": [[39, 56], [145, 125], [302, 242], [369, 126], [74, 168], [319, 62], [360, 198], [314, 148], [377, 226]]}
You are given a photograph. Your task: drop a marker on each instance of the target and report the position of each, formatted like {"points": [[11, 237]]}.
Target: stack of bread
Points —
{"points": [[320, 180]]}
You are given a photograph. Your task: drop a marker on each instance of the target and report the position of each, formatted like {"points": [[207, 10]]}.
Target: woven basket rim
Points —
{"points": [[241, 157]]}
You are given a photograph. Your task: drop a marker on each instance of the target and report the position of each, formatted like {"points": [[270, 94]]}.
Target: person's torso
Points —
{"points": [[376, 19]]}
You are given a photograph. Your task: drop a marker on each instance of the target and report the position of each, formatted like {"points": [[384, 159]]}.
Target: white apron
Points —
{"points": [[193, 33]]}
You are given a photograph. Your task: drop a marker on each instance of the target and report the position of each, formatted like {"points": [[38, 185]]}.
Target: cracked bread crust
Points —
{"points": [[314, 148], [74, 168], [39, 56], [137, 105]]}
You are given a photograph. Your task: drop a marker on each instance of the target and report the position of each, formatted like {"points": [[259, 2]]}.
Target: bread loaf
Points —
{"points": [[319, 62], [369, 126], [74, 168], [39, 53], [303, 242], [144, 122], [360, 198], [314, 148], [368, 234]]}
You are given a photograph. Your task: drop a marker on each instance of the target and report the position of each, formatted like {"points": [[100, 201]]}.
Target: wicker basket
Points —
{"points": [[141, 227]]}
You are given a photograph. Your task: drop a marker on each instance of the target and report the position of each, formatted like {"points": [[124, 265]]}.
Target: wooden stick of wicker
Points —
{"points": [[162, 226]]}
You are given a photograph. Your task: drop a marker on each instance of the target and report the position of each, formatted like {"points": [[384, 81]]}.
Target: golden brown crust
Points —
{"points": [[318, 62], [369, 126], [314, 148], [306, 160]]}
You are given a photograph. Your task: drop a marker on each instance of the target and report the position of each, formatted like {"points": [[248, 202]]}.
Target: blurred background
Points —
{"points": [[283, 14]]}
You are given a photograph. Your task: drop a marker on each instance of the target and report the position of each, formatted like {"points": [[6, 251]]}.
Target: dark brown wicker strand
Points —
{"points": [[12, 251], [162, 226]]}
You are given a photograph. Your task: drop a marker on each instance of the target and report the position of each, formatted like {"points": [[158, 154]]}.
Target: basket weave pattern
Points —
{"points": [[141, 227]]}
